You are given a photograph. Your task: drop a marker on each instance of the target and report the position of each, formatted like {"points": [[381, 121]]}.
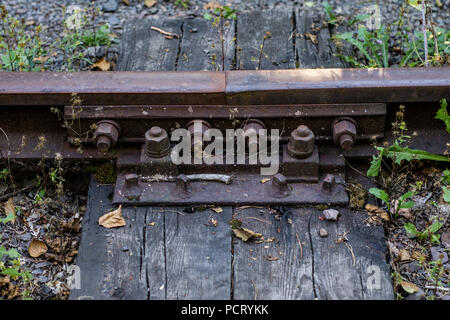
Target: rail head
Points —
{"points": [[227, 88]]}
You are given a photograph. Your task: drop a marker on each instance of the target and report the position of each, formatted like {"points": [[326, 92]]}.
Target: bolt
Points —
{"points": [[157, 142], [280, 186], [344, 132], [131, 180], [251, 130], [106, 134], [301, 142], [328, 182], [183, 185]]}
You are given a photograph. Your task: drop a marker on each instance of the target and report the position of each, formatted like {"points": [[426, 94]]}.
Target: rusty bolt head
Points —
{"points": [[106, 134], [344, 132], [157, 142], [301, 142]]}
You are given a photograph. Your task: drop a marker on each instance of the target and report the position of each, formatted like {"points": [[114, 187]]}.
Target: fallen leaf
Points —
{"points": [[213, 221], [374, 210], [102, 65], [152, 224], [127, 2], [312, 37], [217, 209], [271, 258], [404, 255], [409, 287], [41, 59], [10, 209], [37, 248], [246, 234], [235, 223], [211, 5], [112, 219], [264, 180], [272, 239], [150, 3], [418, 256]]}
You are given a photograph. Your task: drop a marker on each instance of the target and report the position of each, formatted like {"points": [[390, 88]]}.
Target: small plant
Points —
{"points": [[78, 37], [222, 14], [39, 197], [373, 45], [331, 18], [184, 3], [428, 233], [12, 266], [18, 50], [442, 114], [402, 202], [399, 150], [4, 174], [445, 180]]}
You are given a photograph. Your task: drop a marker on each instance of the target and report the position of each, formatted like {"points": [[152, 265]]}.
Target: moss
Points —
{"points": [[104, 173]]}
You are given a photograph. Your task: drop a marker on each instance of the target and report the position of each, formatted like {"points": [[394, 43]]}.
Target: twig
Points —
{"points": [[300, 243], [437, 288], [424, 28], [256, 289], [9, 195], [267, 222], [168, 34]]}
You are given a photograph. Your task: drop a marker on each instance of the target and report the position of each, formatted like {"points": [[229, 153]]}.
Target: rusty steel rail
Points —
{"points": [[392, 85]]}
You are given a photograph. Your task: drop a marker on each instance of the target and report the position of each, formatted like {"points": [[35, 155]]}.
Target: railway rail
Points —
{"points": [[321, 114]]}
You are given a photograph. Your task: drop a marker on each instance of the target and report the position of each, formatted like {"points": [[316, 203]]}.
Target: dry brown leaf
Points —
{"points": [[409, 287], [112, 219], [246, 234], [264, 180], [152, 224], [10, 208], [374, 210], [404, 255], [102, 65], [418, 256], [217, 209], [41, 59], [211, 5], [312, 37], [150, 3], [214, 222], [37, 248], [127, 2]]}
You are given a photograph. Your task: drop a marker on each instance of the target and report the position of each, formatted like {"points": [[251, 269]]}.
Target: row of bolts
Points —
{"points": [[300, 145]]}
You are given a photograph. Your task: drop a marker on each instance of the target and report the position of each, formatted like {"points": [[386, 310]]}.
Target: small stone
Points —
{"points": [[323, 233], [125, 249], [413, 267], [419, 295], [36, 271], [438, 254], [110, 6], [331, 214], [42, 279], [193, 30], [154, 10], [113, 20], [41, 265], [445, 240]]}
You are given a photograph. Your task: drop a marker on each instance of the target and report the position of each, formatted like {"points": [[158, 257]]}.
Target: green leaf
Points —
{"points": [[400, 153], [435, 238], [380, 194], [442, 114], [446, 191], [207, 16], [13, 272], [410, 228], [415, 4], [359, 18], [406, 205], [375, 164], [435, 227]]}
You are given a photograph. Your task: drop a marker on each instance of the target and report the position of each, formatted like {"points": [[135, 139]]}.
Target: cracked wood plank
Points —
{"points": [[278, 51], [201, 46], [110, 259], [313, 45], [143, 49], [278, 268], [198, 255], [336, 275]]}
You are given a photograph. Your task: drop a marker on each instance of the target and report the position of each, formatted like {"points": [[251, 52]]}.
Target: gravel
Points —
{"points": [[115, 12]]}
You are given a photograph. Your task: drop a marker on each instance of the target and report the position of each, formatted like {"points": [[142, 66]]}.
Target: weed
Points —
{"points": [[4, 174], [184, 3], [442, 114], [428, 233], [402, 202], [18, 50], [331, 18]]}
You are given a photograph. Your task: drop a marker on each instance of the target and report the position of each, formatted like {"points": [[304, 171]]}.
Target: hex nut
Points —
{"points": [[157, 144], [106, 134], [344, 132], [301, 142]]}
